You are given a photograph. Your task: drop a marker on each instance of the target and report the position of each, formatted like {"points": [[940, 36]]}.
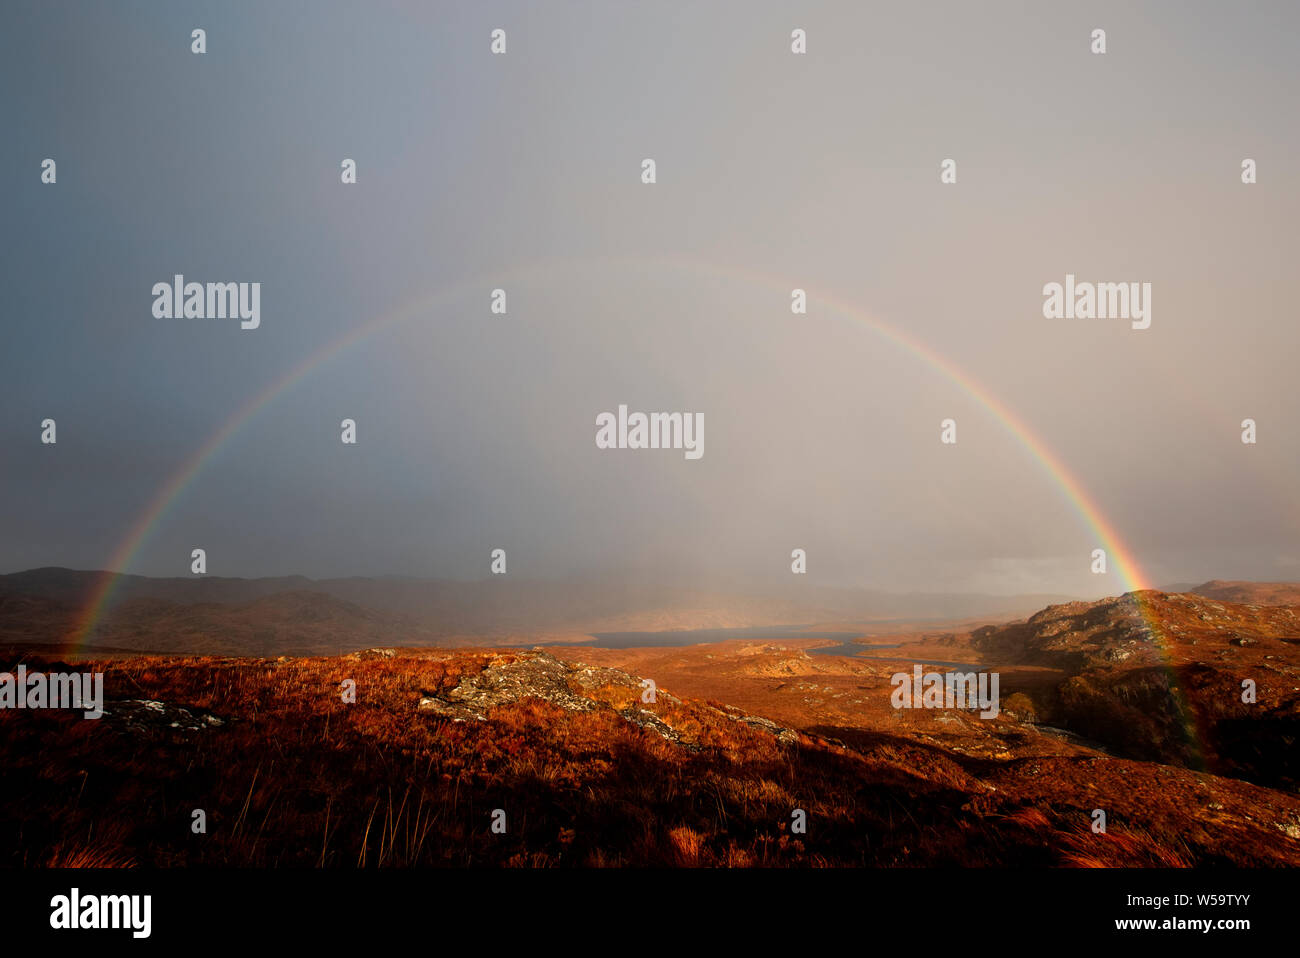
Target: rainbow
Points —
{"points": [[1121, 560], [1119, 556]]}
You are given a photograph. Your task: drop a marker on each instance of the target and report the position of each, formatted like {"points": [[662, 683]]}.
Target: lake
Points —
{"points": [[846, 643], [633, 640]]}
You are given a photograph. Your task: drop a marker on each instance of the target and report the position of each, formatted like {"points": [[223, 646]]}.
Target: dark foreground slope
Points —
{"points": [[286, 773]]}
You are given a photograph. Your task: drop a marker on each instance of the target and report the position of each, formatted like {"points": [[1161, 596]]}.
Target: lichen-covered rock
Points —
{"points": [[516, 676], [140, 715]]}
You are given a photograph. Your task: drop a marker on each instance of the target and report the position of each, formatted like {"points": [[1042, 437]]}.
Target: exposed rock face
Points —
{"points": [[142, 715], [510, 678], [1159, 677], [784, 735], [1074, 635], [514, 677]]}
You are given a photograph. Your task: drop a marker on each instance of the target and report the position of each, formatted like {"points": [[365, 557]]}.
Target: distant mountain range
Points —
{"points": [[297, 615], [294, 615]]}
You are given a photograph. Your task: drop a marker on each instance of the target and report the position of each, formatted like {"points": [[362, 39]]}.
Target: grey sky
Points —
{"points": [[774, 171]]}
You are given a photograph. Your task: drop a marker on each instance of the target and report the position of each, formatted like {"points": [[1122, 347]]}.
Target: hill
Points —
{"points": [[1160, 677], [1251, 593], [1130, 705], [588, 772]]}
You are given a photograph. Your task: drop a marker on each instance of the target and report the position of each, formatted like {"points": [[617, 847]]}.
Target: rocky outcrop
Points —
{"points": [[1160, 677], [514, 677], [149, 715], [1073, 636], [366, 654]]}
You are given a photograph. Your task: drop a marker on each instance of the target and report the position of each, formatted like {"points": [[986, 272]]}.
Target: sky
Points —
{"points": [[774, 171]]}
